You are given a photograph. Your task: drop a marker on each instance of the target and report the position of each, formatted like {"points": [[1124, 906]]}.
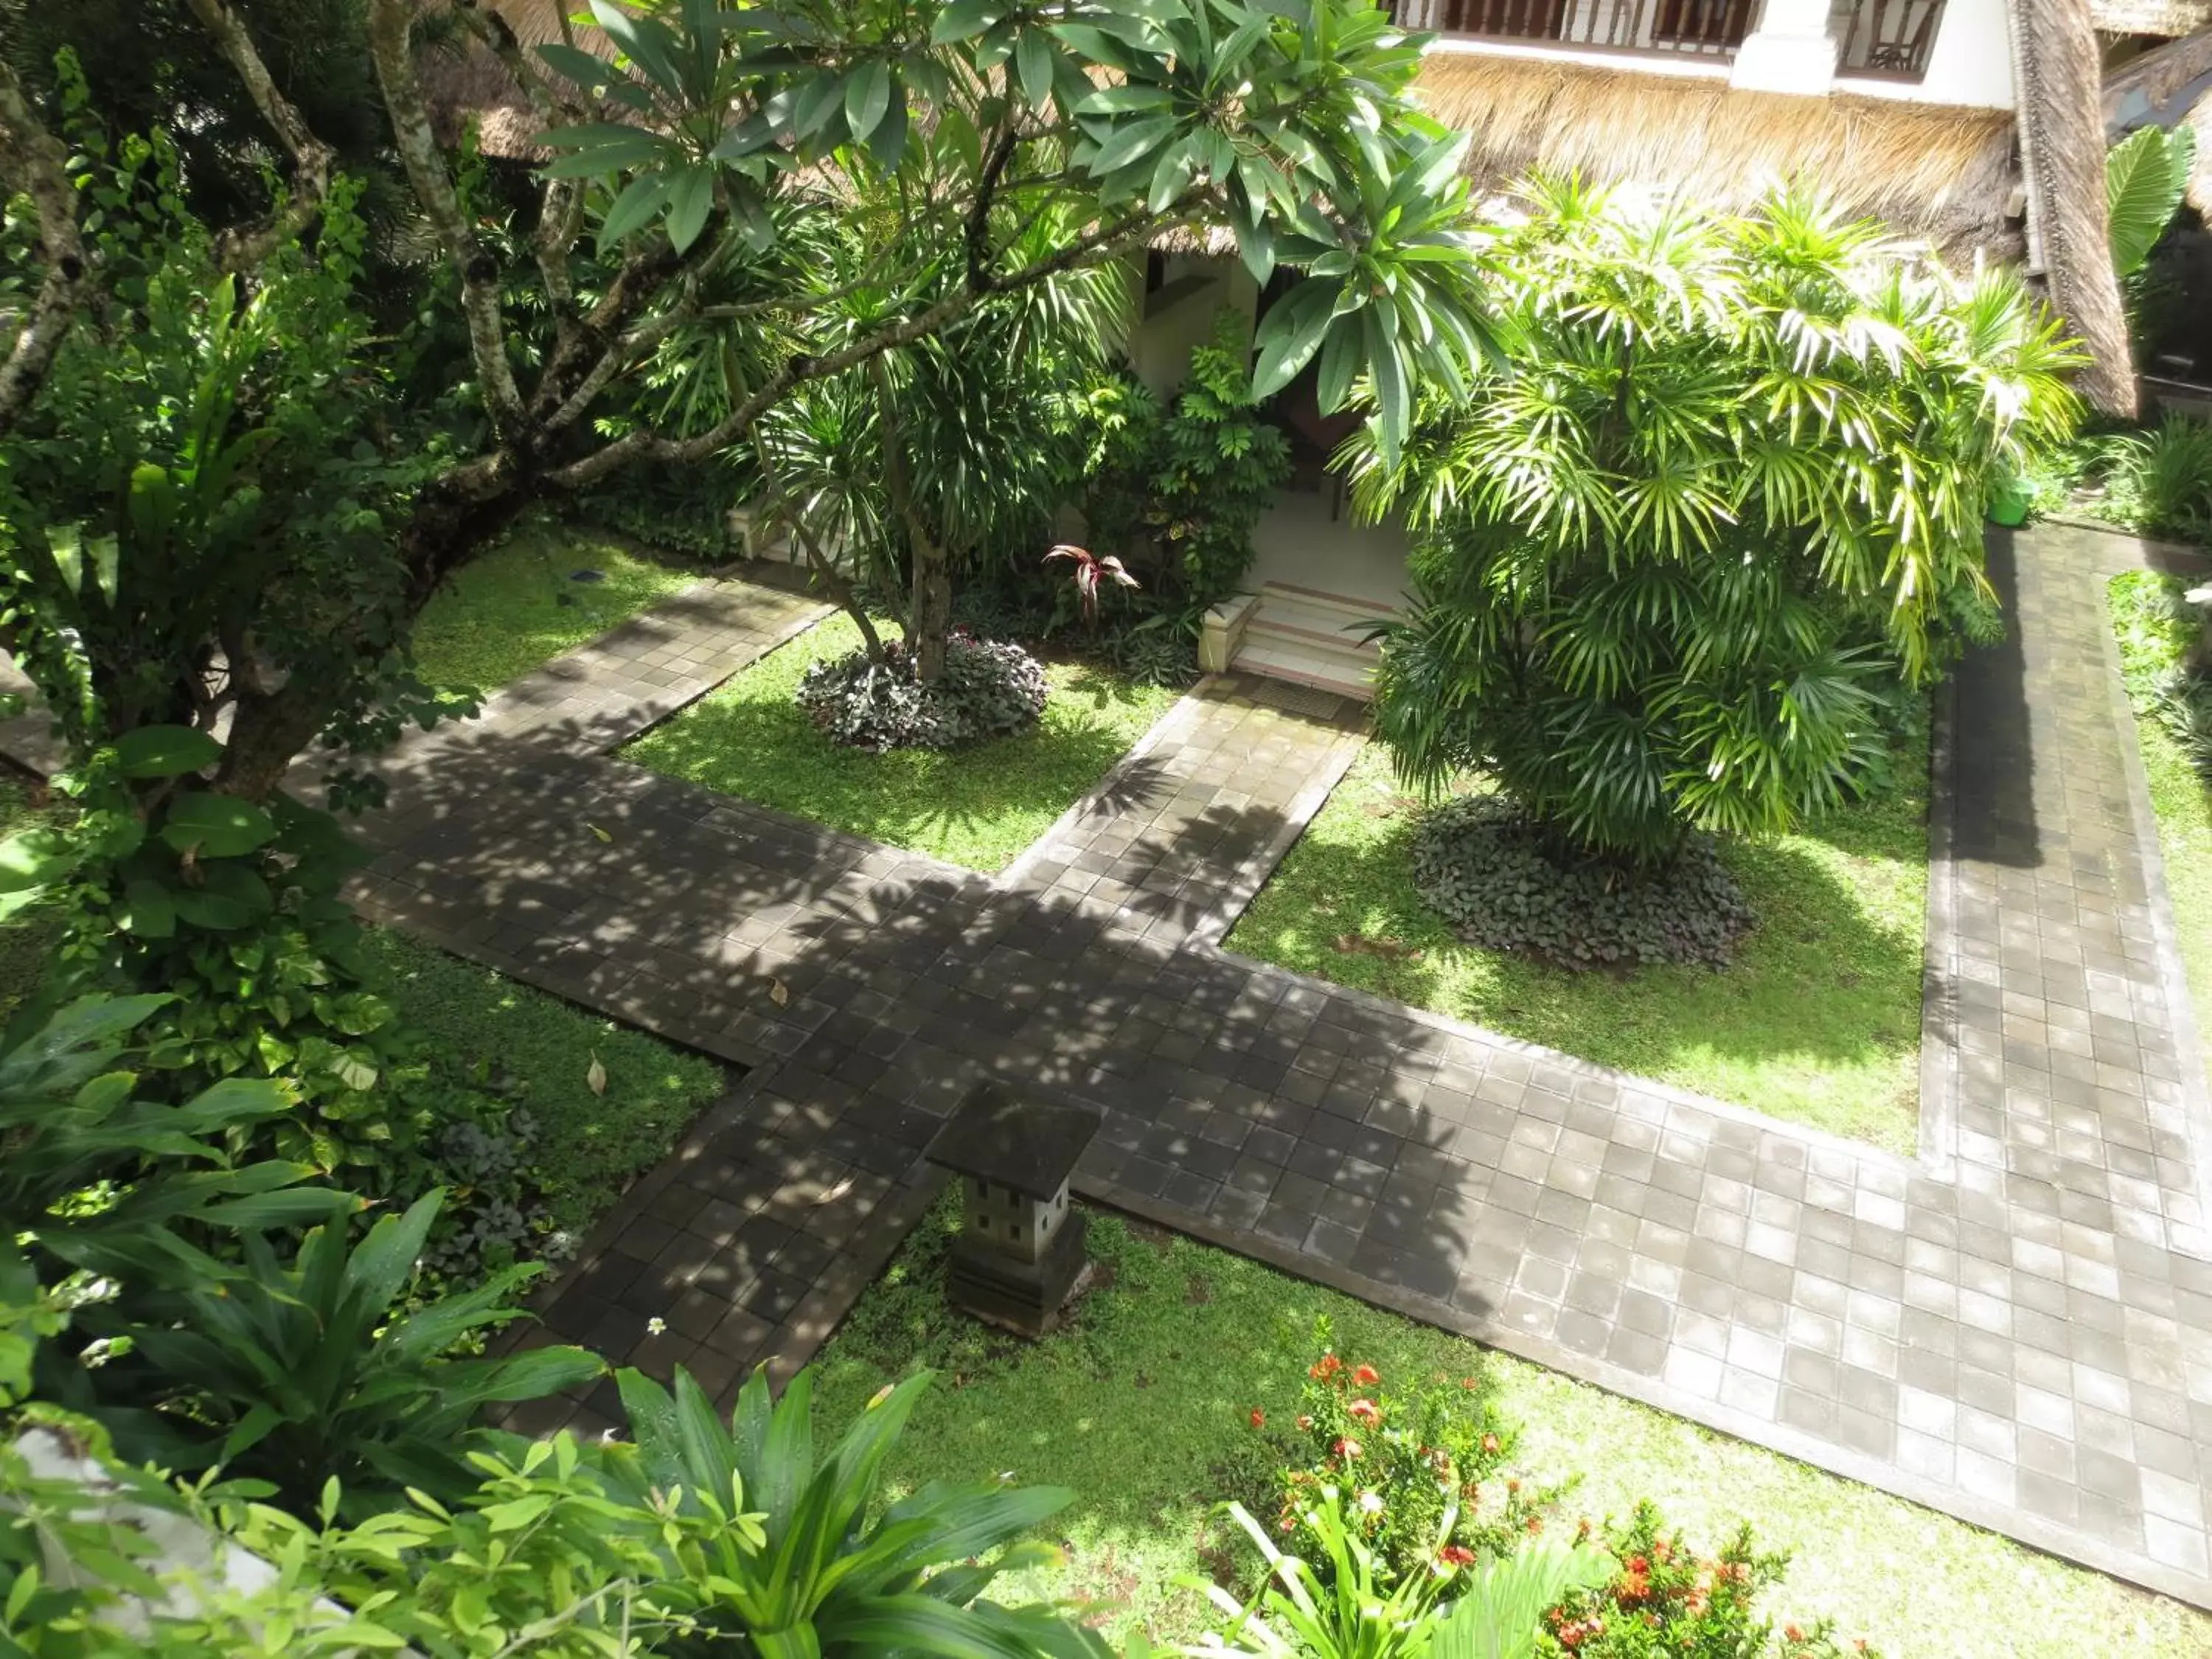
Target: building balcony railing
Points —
{"points": [[1711, 28], [1886, 40]]}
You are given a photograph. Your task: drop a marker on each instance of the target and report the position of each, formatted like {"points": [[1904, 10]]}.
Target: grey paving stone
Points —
{"points": [[2017, 1330]]}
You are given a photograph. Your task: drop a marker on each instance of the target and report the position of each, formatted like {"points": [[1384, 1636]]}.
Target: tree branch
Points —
{"points": [[561, 206], [37, 160], [241, 248], [1101, 242], [390, 26]]}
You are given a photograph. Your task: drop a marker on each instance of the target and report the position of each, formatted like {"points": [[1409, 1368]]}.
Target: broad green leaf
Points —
{"points": [[867, 94], [1289, 336], [640, 199], [2145, 174], [964, 18], [216, 826], [149, 911], [166, 751], [35, 858], [1033, 56], [690, 199], [1130, 142]]}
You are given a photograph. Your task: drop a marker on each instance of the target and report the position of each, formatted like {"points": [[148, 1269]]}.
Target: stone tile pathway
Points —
{"points": [[2015, 1328]]}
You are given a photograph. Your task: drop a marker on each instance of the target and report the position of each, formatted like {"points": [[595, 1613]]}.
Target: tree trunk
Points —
{"points": [[268, 730], [930, 619]]}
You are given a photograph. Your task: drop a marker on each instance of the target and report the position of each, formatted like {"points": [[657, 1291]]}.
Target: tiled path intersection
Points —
{"points": [[2016, 1328]]}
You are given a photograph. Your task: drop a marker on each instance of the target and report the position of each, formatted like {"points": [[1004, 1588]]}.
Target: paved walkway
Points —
{"points": [[2016, 1328]]}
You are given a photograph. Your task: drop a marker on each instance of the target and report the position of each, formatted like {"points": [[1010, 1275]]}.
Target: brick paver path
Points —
{"points": [[2015, 1328]]}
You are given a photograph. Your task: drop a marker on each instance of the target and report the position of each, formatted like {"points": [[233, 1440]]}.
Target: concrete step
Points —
{"points": [[1312, 638], [1346, 674]]}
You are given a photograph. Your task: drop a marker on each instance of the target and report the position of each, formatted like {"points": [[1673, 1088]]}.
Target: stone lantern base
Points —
{"points": [[1023, 1296]]}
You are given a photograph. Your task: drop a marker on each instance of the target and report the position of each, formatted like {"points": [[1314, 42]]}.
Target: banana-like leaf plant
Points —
{"points": [[310, 1370], [2146, 174], [785, 1546]]}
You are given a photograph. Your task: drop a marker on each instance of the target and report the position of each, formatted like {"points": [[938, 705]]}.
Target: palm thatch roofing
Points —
{"points": [[463, 80], [2058, 80], [2169, 20], [1938, 172]]}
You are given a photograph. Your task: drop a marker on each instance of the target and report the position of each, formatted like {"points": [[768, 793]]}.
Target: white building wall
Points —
{"points": [[1195, 291], [1971, 63]]}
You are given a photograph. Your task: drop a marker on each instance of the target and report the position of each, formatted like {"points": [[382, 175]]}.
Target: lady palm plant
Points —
{"points": [[1722, 500]]}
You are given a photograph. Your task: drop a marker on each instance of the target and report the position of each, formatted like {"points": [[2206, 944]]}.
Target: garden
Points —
{"points": [[323, 415], [1650, 773]]}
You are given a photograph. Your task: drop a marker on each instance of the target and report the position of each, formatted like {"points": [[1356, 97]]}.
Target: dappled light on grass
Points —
{"points": [[1816, 1020], [538, 1052], [2178, 794], [520, 606], [1143, 1407], [978, 807]]}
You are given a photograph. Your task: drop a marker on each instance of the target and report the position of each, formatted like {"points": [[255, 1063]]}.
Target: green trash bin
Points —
{"points": [[2009, 502]]}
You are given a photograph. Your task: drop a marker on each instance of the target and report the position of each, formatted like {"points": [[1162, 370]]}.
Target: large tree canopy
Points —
{"points": [[688, 159]]}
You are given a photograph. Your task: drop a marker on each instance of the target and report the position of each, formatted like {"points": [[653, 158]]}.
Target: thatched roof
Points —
{"points": [[2059, 74], [2166, 19], [1927, 170], [463, 80]]}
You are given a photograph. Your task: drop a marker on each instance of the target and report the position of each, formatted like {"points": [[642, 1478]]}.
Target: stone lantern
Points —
{"points": [[1021, 1249]]}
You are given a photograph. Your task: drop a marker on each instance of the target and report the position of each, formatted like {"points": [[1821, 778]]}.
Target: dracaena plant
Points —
{"points": [[1673, 563], [786, 1551], [1089, 571], [310, 1370]]}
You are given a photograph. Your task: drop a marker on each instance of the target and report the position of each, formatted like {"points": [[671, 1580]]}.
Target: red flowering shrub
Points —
{"points": [[1669, 1602], [1403, 1453]]}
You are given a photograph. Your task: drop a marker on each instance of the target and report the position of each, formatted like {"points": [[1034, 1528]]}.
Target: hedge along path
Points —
{"points": [[2015, 1328]]}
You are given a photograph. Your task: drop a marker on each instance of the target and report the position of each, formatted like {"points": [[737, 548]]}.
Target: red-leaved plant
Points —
{"points": [[1091, 571]]}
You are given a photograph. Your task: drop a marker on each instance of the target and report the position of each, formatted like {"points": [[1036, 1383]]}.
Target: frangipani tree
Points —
{"points": [[948, 131], [1725, 499]]}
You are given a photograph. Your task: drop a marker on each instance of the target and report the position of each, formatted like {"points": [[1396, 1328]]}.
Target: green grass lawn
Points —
{"points": [[1817, 1020], [539, 1050], [518, 606], [978, 807], [2150, 641], [1141, 1408]]}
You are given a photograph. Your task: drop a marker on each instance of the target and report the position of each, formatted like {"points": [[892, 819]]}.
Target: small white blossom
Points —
{"points": [[655, 1325], [1371, 1503]]}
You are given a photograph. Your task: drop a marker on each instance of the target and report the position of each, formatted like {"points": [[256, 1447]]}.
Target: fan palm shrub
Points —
{"points": [[1721, 501]]}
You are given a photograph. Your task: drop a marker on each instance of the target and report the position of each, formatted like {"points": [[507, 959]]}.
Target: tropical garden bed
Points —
{"points": [[608, 1102], [546, 589], [1816, 1020], [1142, 1405], [2155, 639], [977, 806]]}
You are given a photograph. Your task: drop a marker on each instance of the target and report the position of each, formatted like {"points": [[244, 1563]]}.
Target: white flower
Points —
{"points": [[1371, 1503], [655, 1327]]}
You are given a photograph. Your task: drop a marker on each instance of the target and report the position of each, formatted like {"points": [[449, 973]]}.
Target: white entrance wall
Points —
{"points": [[1309, 540], [1179, 314]]}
